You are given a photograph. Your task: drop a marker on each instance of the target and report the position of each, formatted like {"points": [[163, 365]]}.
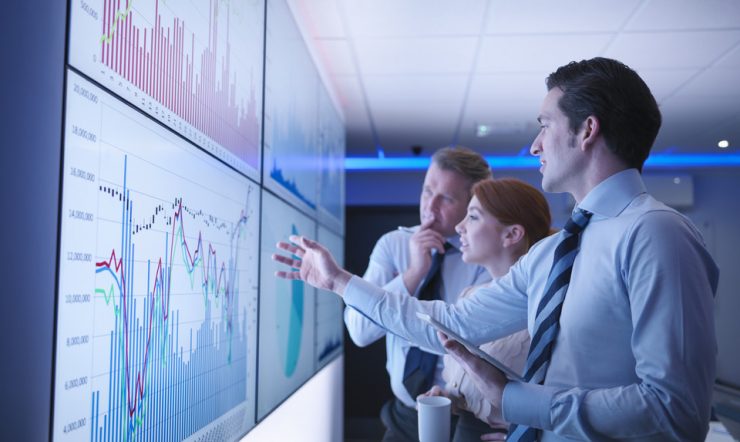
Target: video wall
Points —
{"points": [[196, 136]]}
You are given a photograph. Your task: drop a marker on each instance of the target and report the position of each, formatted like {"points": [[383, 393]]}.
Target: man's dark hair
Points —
{"points": [[612, 92]]}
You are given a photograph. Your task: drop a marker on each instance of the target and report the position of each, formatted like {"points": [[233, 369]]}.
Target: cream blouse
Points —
{"points": [[511, 350]]}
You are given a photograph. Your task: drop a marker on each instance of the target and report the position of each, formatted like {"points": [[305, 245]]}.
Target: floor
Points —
{"points": [[361, 429], [371, 430]]}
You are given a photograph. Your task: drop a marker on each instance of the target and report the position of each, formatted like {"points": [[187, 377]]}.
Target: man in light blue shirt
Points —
{"points": [[401, 259], [634, 357]]}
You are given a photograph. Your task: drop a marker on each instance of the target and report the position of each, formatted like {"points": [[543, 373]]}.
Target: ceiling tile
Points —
{"points": [[336, 56], [349, 94], [704, 86], [541, 53], [696, 113], [680, 50], [664, 82], [348, 90], [411, 110], [321, 18], [356, 120], [410, 18], [499, 144], [676, 138], [569, 16], [731, 59], [415, 55], [425, 119], [417, 90], [505, 96], [415, 58], [686, 15], [508, 104], [397, 142], [693, 123]]}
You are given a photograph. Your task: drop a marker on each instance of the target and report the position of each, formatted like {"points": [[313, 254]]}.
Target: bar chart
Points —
{"points": [[331, 164], [157, 319], [291, 146], [180, 64]]}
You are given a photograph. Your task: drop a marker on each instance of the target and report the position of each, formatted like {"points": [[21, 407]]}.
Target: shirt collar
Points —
{"points": [[455, 241], [611, 196]]}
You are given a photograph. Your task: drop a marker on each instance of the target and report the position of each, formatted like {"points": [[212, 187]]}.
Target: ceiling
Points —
{"points": [[429, 72]]}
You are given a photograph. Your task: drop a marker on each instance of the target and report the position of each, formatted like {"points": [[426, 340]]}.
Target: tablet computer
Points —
{"points": [[511, 374]]}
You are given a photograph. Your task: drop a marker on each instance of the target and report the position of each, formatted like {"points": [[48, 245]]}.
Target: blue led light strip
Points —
{"points": [[530, 162]]}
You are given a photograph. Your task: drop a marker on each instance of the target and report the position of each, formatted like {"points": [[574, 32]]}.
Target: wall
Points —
{"points": [[716, 212], [404, 188], [30, 150], [312, 414]]}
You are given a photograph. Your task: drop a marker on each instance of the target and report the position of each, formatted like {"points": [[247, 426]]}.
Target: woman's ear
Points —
{"points": [[513, 235]]}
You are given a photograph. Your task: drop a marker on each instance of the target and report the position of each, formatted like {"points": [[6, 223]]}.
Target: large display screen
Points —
{"points": [[292, 143], [194, 66], [329, 307], [170, 322], [287, 311], [331, 164], [157, 308]]}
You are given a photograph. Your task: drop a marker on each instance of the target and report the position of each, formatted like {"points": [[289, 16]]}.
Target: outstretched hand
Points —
{"points": [[311, 262]]}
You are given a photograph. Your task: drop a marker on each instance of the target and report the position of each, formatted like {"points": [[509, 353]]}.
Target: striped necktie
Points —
{"points": [[547, 319], [419, 368]]}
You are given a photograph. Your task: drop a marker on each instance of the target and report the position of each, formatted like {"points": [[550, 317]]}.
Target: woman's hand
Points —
{"points": [[438, 391]]}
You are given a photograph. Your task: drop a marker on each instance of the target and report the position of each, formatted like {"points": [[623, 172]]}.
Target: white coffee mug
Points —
{"points": [[434, 418]]}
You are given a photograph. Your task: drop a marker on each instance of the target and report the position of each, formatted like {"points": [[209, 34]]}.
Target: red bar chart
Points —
{"points": [[196, 69]]}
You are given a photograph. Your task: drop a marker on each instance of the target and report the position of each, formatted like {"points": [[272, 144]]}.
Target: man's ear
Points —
{"points": [[590, 131]]}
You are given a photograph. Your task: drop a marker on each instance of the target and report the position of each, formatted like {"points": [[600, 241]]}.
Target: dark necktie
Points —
{"points": [[547, 319], [418, 372]]}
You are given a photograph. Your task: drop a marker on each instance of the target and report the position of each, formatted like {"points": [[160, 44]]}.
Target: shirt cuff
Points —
{"points": [[528, 404], [363, 296], [396, 285]]}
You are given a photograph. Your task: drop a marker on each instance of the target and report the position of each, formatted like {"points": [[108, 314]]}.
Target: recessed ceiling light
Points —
{"points": [[483, 130], [723, 144], [676, 180]]}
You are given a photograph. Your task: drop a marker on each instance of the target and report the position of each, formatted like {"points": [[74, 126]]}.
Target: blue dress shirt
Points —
{"points": [[635, 356], [388, 261]]}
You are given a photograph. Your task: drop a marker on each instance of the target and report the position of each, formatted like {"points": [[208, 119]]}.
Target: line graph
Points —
{"points": [[158, 282], [195, 67], [151, 329]]}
